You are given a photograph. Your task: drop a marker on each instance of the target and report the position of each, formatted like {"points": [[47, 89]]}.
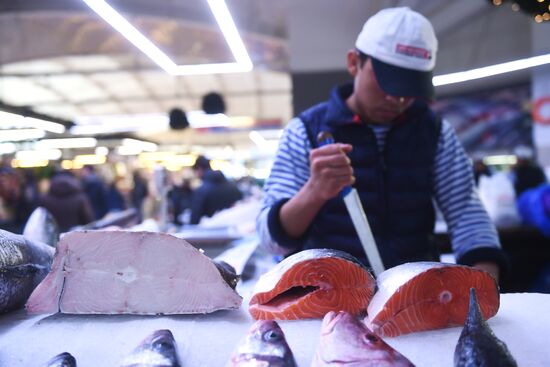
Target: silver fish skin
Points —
{"points": [[477, 345], [157, 350], [346, 341], [23, 264], [62, 360], [264, 346], [42, 227]]}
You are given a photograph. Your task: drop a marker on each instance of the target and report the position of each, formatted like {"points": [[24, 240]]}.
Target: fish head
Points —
{"points": [[265, 344], [346, 339], [62, 360], [158, 349]]}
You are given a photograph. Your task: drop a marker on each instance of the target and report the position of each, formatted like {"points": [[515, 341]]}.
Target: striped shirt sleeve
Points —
{"points": [[289, 173], [468, 223]]}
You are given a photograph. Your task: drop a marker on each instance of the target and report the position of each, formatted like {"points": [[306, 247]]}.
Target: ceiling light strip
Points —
{"points": [[491, 70], [224, 20]]}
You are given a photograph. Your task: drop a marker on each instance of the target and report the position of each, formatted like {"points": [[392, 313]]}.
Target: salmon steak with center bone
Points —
{"points": [[122, 272], [427, 296], [311, 283]]}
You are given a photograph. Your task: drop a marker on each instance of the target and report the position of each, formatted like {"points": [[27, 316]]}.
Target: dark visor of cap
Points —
{"points": [[401, 82]]}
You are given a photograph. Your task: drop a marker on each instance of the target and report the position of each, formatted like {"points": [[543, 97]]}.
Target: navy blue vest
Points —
{"points": [[395, 186]]}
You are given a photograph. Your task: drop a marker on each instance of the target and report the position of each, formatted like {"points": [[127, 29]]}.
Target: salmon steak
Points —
{"points": [[428, 295], [311, 283], [123, 272]]}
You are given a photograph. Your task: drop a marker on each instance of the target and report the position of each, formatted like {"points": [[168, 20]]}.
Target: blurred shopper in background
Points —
{"points": [[391, 147], [115, 199], [179, 199], [95, 189], [139, 193], [10, 194], [526, 174], [67, 202], [214, 194]]}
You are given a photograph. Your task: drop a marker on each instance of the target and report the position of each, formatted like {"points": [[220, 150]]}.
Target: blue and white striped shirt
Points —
{"points": [[454, 190]]}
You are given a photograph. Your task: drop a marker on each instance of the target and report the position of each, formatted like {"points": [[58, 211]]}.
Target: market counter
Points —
{"points": [[523, 323]]}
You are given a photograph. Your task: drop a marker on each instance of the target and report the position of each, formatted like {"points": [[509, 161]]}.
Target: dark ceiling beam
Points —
{"points": [[28, 112]]}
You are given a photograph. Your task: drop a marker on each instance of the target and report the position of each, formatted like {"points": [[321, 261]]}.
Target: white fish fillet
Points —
{"points": [[119, 272]]}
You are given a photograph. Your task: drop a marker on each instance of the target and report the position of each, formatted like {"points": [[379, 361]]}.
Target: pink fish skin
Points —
{"points": [[346, 341]]}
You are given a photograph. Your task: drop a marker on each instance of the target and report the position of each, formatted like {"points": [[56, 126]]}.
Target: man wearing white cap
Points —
{"points": [[391, 147]]}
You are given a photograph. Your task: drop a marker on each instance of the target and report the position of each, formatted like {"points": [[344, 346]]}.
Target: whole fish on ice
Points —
{"points": [[62, 360], [42, 227], [113, 272], [23, 264], [345, 341], [157, 350], [311, 283], [264, 346], [478, 346], [428, 295]]}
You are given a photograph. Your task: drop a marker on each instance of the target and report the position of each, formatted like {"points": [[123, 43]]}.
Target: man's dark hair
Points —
{"points": [[202, 162], [363, 58]]}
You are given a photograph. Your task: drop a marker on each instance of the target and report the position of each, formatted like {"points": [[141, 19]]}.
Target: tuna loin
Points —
{"points": [[311, 283], [428, 295], [115, 272], [23, 264]]}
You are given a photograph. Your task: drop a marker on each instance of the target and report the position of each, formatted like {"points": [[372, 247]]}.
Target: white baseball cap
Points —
{"points": [[403, 47]]}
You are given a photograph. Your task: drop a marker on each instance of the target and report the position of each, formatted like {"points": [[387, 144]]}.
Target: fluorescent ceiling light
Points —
{"points": [[91, 125], [225, 22], [53, 127], [12, 120], [139, 144], [66, 143], [491, 70], [7, 148], [50, 154], [500, 159], [21, 134], [101, 151]]}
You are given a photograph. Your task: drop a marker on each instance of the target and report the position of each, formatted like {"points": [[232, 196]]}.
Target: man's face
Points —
{"points": [[368, 99]]}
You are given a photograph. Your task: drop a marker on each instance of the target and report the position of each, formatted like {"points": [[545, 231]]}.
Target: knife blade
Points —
{"points": [[358, 217]]}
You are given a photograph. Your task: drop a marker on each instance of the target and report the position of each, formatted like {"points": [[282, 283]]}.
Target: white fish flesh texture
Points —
{"points": [[123, 272]]}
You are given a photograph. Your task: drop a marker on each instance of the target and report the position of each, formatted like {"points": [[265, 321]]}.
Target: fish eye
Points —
{"points": [[272, 336], [371, 338]]}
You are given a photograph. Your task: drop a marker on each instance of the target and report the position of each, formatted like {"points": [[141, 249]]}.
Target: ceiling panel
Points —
{"points": [[76, 88], [23, 91], [202, 84], [34, 67], [274, 81], [160, 83], [242, 105], [241, 82], [141, 107], [120, 85], [109, 108], [65, 111], [186, 104], [276, 106], [91, 62]]}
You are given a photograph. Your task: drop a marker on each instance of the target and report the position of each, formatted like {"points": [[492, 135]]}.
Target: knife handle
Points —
{"points": [[325, 138]]}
